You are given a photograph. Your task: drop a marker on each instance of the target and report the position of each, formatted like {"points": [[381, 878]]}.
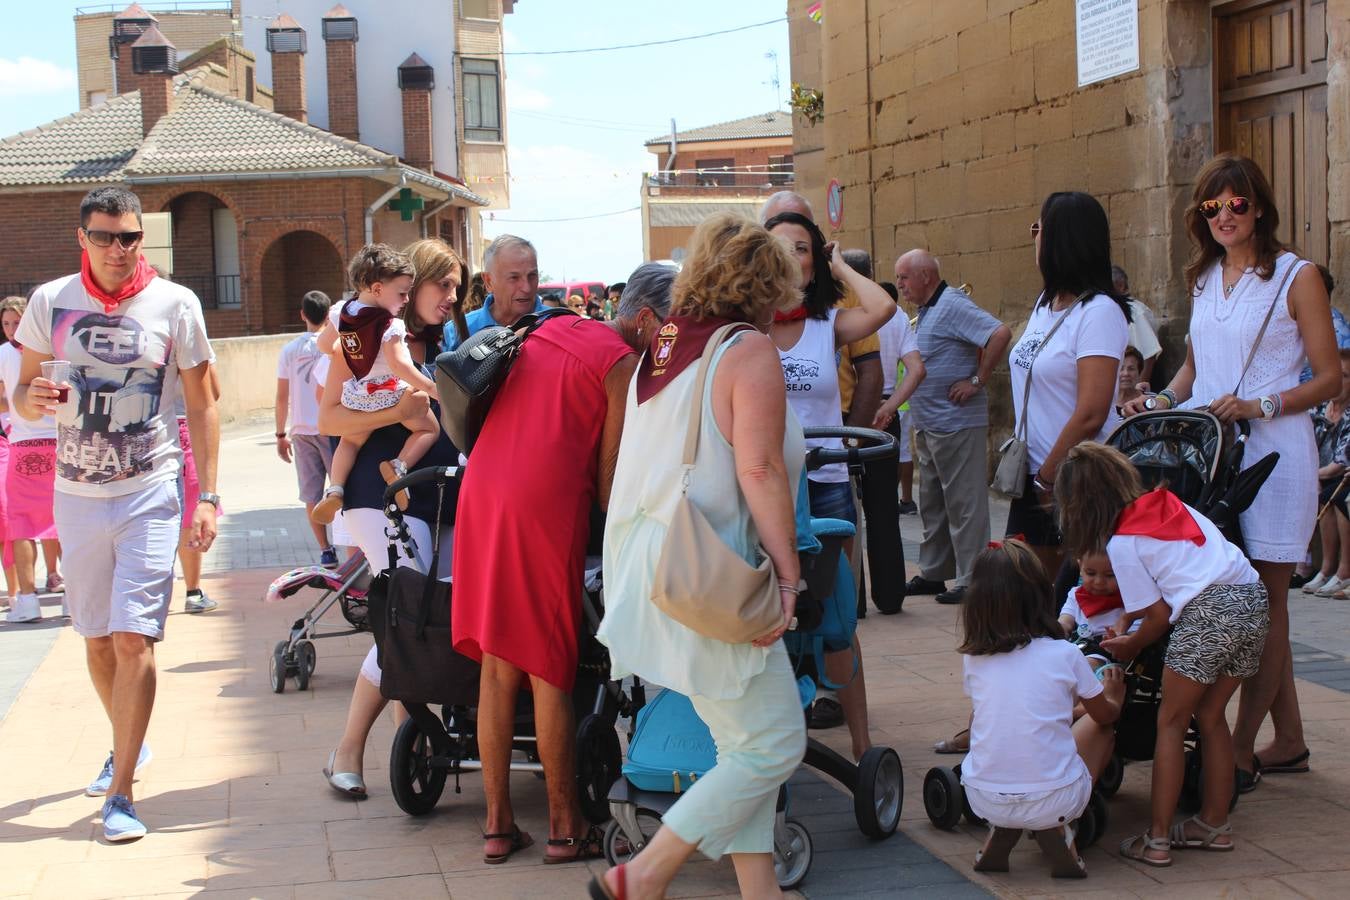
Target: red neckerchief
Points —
{"points": [[142, 276], [678, 344], [1092, 604], [792, 315], [360, 334], [1159, 514]]}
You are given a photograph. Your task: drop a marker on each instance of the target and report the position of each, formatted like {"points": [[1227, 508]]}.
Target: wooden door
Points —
{"points": [[1270, 75]]}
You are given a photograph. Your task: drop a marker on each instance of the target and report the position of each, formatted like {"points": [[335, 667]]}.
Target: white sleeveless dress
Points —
{"points": [[1279, 523], [641, 639]]}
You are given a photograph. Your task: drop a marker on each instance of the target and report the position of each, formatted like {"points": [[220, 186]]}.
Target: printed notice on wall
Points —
{"points": [[1108, 39]]}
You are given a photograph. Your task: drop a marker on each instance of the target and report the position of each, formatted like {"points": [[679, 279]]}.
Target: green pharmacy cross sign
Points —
{"points": [[405, 203]]}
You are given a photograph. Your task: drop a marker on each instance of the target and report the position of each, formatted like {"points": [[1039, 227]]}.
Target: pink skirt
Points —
{"points": [[8, 559], [30, 484]]}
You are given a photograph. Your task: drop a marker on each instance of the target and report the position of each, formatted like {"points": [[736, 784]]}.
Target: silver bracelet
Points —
{"points": [[784, 586]]}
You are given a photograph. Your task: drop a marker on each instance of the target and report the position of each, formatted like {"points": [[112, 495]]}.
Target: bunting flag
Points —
{"points": [[815, 13]]}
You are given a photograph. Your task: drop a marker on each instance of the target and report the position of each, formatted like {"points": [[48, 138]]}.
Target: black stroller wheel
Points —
{"points": [[621, 847], [880, 793], [1112, 776], [416, 783], [1091, 824], [792, 852], [942, 797], [305, 660], [599, 760], [276, 668]]}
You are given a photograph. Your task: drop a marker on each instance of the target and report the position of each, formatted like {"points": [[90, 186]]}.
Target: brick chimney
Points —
{"points": [[128, 25], [415, 80], [154, 63], [339, 38], [286, 43]]}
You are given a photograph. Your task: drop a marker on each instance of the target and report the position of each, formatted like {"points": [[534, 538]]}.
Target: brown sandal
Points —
{"points": [[519, 841], [591, 845]]}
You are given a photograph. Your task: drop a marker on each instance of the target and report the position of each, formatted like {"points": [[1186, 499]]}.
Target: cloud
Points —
{"points": [[26, 76], [521, 96]]}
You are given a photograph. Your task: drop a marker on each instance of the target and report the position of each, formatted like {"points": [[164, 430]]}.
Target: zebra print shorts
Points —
{"points": [[1220, 633]]}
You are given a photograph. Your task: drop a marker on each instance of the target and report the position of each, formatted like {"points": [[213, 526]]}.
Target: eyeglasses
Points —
{"points": [[127, 239], [1035, 228], [1238, 206]]}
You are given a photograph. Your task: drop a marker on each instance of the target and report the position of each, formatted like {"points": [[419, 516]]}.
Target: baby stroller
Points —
{"points": [[345, 586], [1201, 462], [671, 747], [410, 615]]}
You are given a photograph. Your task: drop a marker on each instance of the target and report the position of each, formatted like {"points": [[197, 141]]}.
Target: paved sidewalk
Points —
{"points": [[238, 807]]}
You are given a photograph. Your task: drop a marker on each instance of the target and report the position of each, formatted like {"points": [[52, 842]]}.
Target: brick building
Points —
{"points": [[948, 123], [263, 206], [727, 167]]}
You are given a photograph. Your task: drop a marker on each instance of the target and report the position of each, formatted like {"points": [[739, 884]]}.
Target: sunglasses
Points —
{"points": [[127, 239], [1035, 228], [1238, 206]]}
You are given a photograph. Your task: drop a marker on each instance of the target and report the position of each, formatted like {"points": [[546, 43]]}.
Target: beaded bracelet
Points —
{"points": [[1171, 397]]}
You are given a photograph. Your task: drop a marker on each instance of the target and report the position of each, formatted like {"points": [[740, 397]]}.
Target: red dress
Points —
{"points": [[525, 501]]}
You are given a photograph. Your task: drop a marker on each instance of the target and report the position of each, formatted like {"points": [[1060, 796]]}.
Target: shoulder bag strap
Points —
{"points": [[429, 586], [696, 408], [1026, 390], [1279, 292]]}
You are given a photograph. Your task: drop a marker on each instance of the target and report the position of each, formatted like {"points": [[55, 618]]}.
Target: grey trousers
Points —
{"points": [[953, 501]]}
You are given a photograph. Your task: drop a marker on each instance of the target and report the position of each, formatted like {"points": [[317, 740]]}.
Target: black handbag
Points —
{"points": [[410, 618], [469, 376]]}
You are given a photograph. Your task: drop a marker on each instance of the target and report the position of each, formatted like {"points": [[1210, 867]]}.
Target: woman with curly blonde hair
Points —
{"points": [[748, 464]]}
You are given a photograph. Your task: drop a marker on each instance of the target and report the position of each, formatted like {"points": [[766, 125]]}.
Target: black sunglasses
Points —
{"points": [[127, 239]]}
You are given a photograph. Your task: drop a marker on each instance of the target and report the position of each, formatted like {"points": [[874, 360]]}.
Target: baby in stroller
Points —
{"points": [[1175, 570]]}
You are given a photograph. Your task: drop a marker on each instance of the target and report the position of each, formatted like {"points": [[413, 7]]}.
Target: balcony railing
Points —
{"points": [[215, 291], [712, 182]]}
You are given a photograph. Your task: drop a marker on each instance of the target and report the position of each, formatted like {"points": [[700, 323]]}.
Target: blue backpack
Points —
{"points": [[671, 747]]}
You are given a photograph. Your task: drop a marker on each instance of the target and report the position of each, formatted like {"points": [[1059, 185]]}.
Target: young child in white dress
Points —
{"points": [[372, 337]]}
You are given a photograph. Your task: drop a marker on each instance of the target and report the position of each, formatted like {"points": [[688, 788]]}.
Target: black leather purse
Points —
{"points": [[469, 376]]}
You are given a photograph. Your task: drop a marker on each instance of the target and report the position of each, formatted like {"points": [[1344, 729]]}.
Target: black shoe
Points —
{"points": [[909, 508], [826, 713], [952, 597], [920, 585], [1296, 580]]}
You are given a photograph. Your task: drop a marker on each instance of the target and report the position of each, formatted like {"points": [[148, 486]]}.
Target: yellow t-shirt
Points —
{"points": [[849, 352]]}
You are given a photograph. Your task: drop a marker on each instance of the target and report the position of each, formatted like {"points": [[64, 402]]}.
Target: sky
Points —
{"points": [[576, 123]]}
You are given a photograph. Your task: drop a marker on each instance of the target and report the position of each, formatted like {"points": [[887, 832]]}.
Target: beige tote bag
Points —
{"points": [[700, 582]]}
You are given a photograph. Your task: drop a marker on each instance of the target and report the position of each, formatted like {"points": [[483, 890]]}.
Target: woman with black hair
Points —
{"points": [[1070, 353]]}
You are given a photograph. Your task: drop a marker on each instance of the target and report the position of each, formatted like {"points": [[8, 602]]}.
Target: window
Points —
{"points": [[708, 176], [780, 169], [482, 103], [476, 9], [98, 98]]}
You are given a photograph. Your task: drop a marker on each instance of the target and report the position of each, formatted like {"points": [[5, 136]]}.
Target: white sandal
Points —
{"points": [[1134, 848], [1181, 841]]}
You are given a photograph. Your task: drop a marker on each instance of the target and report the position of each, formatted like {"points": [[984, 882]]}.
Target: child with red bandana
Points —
{"points": [[372, 338]]}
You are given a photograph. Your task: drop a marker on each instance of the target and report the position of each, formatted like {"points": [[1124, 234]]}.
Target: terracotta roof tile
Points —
{"points": [[772, 124]]}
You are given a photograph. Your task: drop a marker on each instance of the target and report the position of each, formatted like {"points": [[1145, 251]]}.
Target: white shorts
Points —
{"points": [[118, 560], [1033, 811]]}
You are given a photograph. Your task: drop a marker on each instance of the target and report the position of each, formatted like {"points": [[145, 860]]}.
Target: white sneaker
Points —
{"points": [[1315, 585], [1332, 585], [25, 608]]}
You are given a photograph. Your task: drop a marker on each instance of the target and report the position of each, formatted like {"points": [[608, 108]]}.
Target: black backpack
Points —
{"points": [[469, 376]]}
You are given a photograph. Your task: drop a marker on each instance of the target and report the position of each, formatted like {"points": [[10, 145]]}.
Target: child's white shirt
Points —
{"points": [[1148, 569], [1021, 734], [379, 370]]}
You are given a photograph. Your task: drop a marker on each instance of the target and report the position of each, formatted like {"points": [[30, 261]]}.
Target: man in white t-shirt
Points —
{"points": [[132, 343], [298, 401]]}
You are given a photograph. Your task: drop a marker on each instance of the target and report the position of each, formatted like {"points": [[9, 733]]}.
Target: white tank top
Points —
{"points": [[811, 370]]}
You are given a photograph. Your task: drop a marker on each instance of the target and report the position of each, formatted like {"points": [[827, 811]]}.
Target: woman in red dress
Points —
{"points": [[545, 455]]}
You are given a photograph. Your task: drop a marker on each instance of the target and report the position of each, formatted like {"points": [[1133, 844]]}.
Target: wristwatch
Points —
{"points": [[975, 381], [208, 497], [1268, 407], [1151, 403]]}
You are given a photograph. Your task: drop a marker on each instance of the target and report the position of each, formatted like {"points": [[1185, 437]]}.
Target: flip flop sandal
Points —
{"points": [[1181, 841], [956, 744], [1057, 844], [1297, 765], [519, 841], [589, 846], [600, 891], [993, 857], [1133, 848], [826, 712], [1247, 781]]}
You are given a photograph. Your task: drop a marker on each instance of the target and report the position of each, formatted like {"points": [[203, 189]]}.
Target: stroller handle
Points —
{"points": [[421, 476], [878, 445]]}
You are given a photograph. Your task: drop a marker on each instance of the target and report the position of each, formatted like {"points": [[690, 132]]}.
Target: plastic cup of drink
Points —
{"points": [[58, 372]]}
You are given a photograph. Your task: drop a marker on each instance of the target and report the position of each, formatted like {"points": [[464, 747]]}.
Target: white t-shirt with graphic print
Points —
{"points": [[117, 433]]}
